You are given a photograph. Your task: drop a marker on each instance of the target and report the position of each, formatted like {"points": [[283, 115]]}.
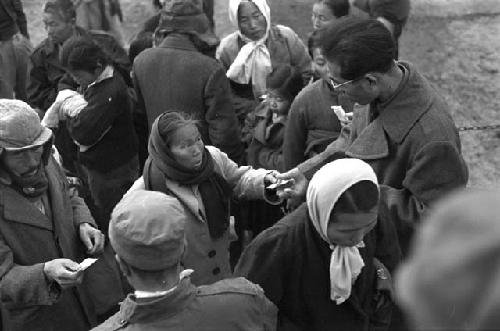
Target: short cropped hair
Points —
{"points": [[358, 46], [63, 8], [82, 53], [339, 8]]}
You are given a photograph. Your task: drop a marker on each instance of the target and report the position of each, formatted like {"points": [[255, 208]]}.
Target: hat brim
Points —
{"points": [[43, 138]]}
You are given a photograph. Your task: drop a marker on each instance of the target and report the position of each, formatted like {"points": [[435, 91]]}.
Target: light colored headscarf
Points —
{"points": [[253, 61], [324, 190]]}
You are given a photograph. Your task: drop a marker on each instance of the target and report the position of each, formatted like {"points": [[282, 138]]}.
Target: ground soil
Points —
{"points": [[458, 54]]}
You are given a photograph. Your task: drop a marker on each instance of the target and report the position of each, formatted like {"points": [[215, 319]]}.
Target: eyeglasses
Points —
{"points": [[338, 85]]}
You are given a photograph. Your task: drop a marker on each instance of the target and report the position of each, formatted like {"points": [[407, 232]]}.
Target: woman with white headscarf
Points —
{"points": [[255, 49], [324, 264]]}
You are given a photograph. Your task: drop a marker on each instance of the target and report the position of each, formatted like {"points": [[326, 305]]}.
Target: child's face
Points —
{"points": [[278, 104], [319, 65]]}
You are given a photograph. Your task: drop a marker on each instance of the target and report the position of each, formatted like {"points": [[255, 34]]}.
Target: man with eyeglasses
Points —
{"points": [[406, 134]]}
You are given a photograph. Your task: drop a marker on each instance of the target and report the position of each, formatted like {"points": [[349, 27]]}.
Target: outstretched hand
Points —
{"points": [[296, 193], [92, 238]]}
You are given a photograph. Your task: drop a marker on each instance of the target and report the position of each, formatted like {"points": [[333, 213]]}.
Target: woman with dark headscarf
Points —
{"points": [[203, 179]]}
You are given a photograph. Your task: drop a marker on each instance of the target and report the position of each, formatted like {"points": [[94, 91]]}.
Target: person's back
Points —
{"points": [[230, 304]]}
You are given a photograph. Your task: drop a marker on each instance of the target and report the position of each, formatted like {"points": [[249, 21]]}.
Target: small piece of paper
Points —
{"points": [[281, 184], [87, 263]]}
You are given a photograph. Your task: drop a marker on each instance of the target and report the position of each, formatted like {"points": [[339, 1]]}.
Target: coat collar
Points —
{"points": [[137, 311], [178, 41], [397, 117]]}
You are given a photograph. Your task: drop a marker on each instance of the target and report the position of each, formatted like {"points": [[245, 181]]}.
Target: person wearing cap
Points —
{"points": [[255, 49], [147, 231], [451, 279], [177, 75], [48, 76], [44, 231], [327, 264]]}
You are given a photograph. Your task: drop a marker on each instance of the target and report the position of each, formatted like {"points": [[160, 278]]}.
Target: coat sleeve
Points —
{"points": [[40, 92], [223, 128], [294, 144], [437, 169], [81, 213], [22, 286], [265, 262], [387, 250], [21, 18]]}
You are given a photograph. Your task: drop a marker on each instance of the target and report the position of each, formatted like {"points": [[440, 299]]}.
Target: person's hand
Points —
{"points": [[92, 238], [65, 272], [295, 194], [271, 178]]}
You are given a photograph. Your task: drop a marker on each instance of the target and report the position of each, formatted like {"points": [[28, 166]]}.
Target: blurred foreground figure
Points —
{"points": [[147, 232], [44, 231], [451, 280]]}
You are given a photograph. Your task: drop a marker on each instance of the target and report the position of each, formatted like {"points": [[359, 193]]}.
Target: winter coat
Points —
{"points": [[230, 304], [28, 239], [284, 46], [413, 147], [177, 77], [312, 124], [265, 149], [291, 262], [210, 257]]}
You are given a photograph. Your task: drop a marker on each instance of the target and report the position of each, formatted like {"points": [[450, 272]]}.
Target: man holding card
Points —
{"points": [[44, 230]]}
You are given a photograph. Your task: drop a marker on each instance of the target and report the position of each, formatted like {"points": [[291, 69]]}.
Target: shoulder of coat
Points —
{"points": [[237, 285], [113, 323]]}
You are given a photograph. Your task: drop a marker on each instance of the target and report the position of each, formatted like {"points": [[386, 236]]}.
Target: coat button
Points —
{"points": [[216, 271], [212, 253]]}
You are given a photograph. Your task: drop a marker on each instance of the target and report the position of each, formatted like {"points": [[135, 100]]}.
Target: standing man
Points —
{"points": [[407, 134], [15, 49], [176, 76], [147, 233], [44, 231]]}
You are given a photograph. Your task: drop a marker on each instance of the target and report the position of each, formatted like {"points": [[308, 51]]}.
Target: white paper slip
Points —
{"points": [[87, 263]]}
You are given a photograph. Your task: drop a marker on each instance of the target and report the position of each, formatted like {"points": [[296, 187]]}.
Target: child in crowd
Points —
{"points": [[319, 66]]}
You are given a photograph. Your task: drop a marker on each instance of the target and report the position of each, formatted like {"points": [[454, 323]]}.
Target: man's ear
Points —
{"points": [[372, 79], [123, 266]]}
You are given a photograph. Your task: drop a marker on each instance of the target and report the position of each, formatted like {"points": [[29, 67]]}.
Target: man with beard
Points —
{"points": [[44, 230]]}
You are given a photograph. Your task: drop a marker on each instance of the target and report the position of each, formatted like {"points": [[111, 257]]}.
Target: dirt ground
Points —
{"points": [[458, 54]]}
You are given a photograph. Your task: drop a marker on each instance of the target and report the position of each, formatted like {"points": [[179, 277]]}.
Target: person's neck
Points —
{"points": [[170, 281], [391, 83]]}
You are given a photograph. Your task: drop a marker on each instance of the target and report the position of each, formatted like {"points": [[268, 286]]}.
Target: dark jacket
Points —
{"points": [[291, 262], [177, 77], [312, 124], [48, 76], [28, 239], [15, 21], [105, 125], [412, 145], [230, 304]]}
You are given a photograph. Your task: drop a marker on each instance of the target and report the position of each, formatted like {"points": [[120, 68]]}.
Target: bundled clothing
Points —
{"points": [[312, 125], [413, 146], [249, 62], [316, 284], [108, 146], [205, 196]]}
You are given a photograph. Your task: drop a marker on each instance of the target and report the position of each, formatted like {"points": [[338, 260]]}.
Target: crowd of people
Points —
{"points": [[258, 182]]}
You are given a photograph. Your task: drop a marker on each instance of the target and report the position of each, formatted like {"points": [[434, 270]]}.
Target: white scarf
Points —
{"points": [[253, 60], [323, 192]]}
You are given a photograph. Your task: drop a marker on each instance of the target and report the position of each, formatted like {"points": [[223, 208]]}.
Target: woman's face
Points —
{"points": [[349, 229], [187, 147], [319, 65], [251, 21], [85, 78], [321, 15]]}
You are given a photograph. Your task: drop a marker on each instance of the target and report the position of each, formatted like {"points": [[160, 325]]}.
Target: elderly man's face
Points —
{"points": [[23, 163], [58, 30]]}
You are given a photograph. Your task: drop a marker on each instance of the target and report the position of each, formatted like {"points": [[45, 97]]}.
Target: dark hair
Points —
{"points": [[360, 197], [143, 42], [157, 4], [358, 46], [170, 121], [63, 8], [82, 53], [339, 8], [285, 80], [313, 41]]}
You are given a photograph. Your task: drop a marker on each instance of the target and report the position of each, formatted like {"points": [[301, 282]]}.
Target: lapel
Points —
{"points": [[186, 197], [17, 208], [371, 143], [57, 193]]}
